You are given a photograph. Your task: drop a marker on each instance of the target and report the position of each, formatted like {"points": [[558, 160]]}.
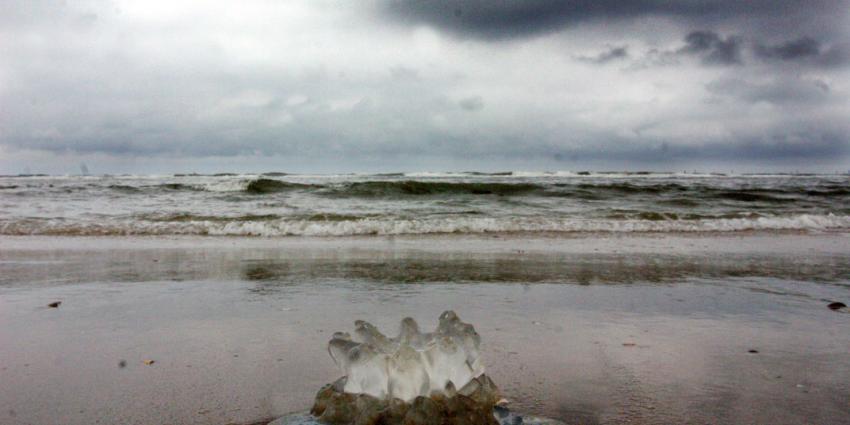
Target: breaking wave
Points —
{"points": [[669, 193], [418, 187], [334, 225], [259, 186], [681, 194]]}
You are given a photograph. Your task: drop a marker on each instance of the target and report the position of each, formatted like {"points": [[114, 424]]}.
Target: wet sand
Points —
{"points": [[588, 329]]}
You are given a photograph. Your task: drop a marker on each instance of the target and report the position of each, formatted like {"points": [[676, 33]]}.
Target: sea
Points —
{"points": [[279, 204]]}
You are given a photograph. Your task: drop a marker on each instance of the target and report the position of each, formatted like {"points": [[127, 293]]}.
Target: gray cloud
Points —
{"points": [[709, 47], [776, 147], [170, 80], [791, 50], [777, 91], [495, 20], [473, 103], [806, 50], [712, 48], [613, 54]]}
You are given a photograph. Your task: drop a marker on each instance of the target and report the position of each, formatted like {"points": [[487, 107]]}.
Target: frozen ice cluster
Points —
{"points": [[411, 365], [415, 378]]}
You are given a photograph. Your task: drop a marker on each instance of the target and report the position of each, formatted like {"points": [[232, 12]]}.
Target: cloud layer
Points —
{"points": [[648, 84]]}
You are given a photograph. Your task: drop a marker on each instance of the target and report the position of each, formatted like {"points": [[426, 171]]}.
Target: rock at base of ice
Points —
{"points": [[471, 405], [502, 415]]}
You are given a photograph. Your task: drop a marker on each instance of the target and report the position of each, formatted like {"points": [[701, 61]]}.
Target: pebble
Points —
{"points": [[836, 306]]}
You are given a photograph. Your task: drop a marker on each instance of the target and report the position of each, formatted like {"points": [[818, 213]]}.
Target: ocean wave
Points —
{"points": [[178, 186], [189, 217], [129, 189], [417, 187], [627, 187], [273, 227], [675, 192], [124, 188], [259, 186], [254, 186]]}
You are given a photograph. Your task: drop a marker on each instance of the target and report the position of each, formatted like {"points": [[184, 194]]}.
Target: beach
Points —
{"points": [[557, 212], [586, 328]]}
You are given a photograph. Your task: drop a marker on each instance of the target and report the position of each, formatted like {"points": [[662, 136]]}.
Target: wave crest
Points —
{"points": [[417, 187], [344, 226], [260, 186]]}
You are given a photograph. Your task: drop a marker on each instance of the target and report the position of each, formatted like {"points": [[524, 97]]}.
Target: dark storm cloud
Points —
{"points": [[518, 18], [712, 48], [613, 54], [488, 19], [805, 50], [709, 47], [791, 50]]}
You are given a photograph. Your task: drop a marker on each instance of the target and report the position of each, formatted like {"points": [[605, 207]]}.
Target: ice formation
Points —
{"points": [[412, 364]]}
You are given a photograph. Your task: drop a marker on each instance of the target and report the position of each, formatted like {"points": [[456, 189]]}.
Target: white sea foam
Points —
{"points": [[394, 226], [228, 185]]}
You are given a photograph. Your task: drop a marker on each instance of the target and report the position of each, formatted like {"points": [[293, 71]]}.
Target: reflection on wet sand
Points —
{"points": [[581, 269]]}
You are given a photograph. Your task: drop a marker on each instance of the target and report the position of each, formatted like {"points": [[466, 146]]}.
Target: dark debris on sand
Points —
{"points": [[836, 306]]}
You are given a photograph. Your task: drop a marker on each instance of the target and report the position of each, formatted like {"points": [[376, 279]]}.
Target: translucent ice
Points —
{"points": [[413, 363]]}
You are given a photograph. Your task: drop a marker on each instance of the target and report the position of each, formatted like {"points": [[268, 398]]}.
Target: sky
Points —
{"points": [[412, 85]]}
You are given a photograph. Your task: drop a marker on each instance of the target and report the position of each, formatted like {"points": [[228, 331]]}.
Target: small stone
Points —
{"points": [[341, 409], [836, 306], [753, 351], [334, 406], [148, 362], [423, 411], [322, 399], [462, 410], [369, 410], [395, 411]]}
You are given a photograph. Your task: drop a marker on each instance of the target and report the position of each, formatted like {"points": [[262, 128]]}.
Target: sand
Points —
{"points": [[587, 329]]}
